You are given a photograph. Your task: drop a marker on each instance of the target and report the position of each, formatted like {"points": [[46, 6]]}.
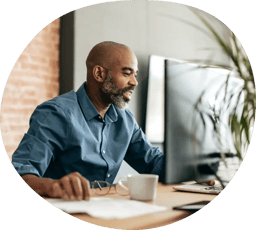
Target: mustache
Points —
{"points": [[127, 89], [121, 93]]}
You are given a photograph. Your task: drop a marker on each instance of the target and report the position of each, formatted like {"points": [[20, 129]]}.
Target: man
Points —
{"points": [[84, 136]]}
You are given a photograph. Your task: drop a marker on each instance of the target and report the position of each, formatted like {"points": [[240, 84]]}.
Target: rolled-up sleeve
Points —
{"points": [[47, 135], [142, 156]]}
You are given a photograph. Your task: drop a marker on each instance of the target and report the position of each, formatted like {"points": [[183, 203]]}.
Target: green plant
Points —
{"points": [[240, 128]]}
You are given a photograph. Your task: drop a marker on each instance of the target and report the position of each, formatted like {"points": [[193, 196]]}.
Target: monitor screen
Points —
{"points": [[197, 107]]}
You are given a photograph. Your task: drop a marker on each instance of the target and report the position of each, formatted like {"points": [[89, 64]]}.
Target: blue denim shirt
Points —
{"points": [[67, 134]]}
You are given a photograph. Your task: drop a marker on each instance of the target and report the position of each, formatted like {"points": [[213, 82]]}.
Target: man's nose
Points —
{"points": [[133, 81]]}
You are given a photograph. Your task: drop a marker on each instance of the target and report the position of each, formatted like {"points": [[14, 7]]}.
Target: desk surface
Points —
{"points": [[166, 196]]}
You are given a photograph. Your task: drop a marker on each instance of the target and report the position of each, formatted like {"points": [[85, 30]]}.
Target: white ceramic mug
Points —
{"points": [[141, 186]]}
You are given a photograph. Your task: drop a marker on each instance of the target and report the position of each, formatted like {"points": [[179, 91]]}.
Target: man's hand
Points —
{"points": [[70, 187], [209, 182]]}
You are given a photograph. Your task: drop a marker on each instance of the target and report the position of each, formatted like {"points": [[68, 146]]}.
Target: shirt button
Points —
{"points": [[103, 151], [108, 175], [99, 117]]}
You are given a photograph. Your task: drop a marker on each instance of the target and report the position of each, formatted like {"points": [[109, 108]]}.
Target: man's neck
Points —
{"points": [[94, 96]]}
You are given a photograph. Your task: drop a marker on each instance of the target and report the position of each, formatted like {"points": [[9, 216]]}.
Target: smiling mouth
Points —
{"points": [[128, 94]]}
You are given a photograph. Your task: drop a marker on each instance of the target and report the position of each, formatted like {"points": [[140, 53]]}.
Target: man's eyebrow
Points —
{"points": [[128, 68]]}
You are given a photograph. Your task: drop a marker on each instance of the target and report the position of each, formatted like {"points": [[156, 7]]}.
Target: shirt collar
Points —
{"points": [[89, 109], [111, 115]]}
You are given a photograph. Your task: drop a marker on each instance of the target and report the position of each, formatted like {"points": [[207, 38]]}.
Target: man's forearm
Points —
{"points": [[41, 186]]}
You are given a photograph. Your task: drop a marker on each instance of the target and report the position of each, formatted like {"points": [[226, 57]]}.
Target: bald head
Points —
{"points": [[111, 75], [105, 54]]}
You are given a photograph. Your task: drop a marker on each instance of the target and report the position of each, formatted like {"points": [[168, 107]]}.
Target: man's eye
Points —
{"points": [[129, 74]]}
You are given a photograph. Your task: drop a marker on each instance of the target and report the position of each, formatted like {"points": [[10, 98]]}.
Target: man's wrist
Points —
{"points": [[42, 186], [46, 187]]}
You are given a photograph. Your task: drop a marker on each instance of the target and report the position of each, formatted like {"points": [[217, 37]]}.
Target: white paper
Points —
{"points": [[107, 208]]}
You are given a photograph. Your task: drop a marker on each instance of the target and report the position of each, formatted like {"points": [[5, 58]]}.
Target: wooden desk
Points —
{"points": [[166, 196]]}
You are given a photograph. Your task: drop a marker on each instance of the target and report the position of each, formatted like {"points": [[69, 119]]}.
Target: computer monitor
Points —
{"points": [[190, 142]]}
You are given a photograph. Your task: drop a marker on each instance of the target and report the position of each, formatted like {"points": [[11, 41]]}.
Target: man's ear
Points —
{"points": [[98, 73]]}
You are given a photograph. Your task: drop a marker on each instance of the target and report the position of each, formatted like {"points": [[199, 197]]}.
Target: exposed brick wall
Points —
{"points": [[33, 80]]}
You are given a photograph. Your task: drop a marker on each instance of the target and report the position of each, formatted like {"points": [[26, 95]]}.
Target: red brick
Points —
{"points": [[34, 79], [23, 58], [10, 149], [10, 100], [38, 59]]}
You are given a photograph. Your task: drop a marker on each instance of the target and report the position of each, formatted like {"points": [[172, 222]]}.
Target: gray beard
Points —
{"points": [[112, 95]]}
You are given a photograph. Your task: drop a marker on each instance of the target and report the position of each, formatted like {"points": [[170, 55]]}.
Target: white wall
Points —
{"points": [[147, 28]]}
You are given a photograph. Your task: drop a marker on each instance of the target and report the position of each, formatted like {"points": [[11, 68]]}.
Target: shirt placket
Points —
{"points": [[104, 153]]}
